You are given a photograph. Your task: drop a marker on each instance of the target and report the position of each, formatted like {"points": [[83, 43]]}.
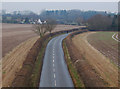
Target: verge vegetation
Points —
{"points": [[94, 68], [91, 69], [72, 70], [104, 43], [29, 75]]}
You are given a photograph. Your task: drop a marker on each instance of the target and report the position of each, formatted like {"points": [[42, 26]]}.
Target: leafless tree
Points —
{"points": [[40, 29], [50, 25], [79, 20], [46, 26], [99, 22]]}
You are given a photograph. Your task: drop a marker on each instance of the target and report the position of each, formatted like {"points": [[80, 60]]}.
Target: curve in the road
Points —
{"points": [[55, 72]]}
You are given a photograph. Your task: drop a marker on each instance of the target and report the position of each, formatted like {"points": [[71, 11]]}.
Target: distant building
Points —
{"points": [[45, 22], [39, 21]]}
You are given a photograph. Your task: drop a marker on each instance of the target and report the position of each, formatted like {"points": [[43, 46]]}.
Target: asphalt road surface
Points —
{"points": [[55, 72]]}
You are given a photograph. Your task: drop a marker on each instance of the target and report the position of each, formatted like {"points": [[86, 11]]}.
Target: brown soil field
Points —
{"points": [[104, 42], [12, 62], [101, 65], [17, 40], [14, 34]]}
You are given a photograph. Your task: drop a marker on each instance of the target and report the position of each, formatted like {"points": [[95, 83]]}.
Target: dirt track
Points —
{"points": [[100, 64]]}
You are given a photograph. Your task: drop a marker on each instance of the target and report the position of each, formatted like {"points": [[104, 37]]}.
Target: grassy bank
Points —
{"points": [[35, 78], [72, 70], [102, 73]]}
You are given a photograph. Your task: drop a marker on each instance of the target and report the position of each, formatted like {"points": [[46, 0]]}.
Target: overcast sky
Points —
{"points": [[39, 6], [60, 0]]}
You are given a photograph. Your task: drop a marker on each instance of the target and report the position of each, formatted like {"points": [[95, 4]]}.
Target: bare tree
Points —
{"points": [[99, 22], [40, 29], [79, 20], [50, 25], [46, 26]]}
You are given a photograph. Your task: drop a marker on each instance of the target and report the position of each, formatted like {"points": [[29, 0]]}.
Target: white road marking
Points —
{"points": [[53, 60], [53, 65], [53, 57], [54, 75], [115, 38], [53, 69], [55, 83]]}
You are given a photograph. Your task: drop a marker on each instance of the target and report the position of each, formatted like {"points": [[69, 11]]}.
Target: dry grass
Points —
{"points": [[14, 34], [17, 40], [72, 70], [106, 70], [13, 61], [104, 42]]}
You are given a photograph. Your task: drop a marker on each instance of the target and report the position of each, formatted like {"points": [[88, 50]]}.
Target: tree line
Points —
{"points": [[103, 23], [94, 20]]}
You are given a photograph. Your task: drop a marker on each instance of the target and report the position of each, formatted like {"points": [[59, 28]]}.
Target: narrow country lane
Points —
{"points": [[55, 72]]}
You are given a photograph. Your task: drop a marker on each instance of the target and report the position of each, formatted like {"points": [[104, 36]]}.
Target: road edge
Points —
{"points": [[23, 77], [71, 68]]}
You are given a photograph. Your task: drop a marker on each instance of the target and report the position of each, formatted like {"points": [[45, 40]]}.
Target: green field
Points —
{"points": [[104, 42], [104, 37]]}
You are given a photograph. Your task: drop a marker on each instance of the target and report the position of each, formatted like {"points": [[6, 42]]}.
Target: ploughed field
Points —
{"points": [[14, 34], [97, 50], [106, 43], [17, 40]]}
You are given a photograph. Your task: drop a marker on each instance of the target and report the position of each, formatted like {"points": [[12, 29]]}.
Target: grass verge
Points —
{"points": [[35, 78], [72, 70]]}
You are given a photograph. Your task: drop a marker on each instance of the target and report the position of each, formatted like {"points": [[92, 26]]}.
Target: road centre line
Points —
{"points": [[53, 54], [54, 75], [53, 60], [53, 65], [55, 83], [53, 69]]}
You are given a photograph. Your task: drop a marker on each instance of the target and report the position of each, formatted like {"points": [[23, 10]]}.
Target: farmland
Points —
{"points": [[17, 40], [14, 34], [99, 66], [13, 61], [104, 42]]}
